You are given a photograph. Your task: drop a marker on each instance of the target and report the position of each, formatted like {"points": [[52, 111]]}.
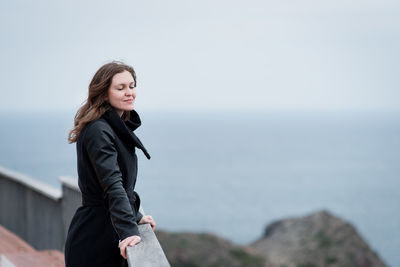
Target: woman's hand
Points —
{"points": [[148, 219], [129, 241]]}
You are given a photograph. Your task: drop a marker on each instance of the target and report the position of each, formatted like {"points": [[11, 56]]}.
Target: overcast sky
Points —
{"points": [[204, 55]]}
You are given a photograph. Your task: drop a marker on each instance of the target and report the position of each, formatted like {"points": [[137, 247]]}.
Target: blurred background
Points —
{"points": [[252, 111]]}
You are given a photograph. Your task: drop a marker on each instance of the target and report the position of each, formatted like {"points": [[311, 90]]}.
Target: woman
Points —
{"points": [[107, 222]]}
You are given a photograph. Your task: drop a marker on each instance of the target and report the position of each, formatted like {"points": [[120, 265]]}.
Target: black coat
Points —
{"points": [[107, 170]]}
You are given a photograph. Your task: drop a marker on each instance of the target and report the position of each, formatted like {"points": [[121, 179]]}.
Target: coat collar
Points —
{"points": [[124, 129]]}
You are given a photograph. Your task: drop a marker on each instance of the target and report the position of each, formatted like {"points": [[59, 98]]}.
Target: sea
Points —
{"points": [[232, 173]]}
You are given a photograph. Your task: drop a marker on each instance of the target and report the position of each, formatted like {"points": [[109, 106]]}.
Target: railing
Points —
{"points": [[148, 253], [41, 214]]}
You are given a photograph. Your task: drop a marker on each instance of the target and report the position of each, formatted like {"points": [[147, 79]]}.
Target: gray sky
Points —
{"points": [[204, 55]]}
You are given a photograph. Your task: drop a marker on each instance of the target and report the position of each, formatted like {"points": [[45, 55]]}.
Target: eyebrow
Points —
{"points": [[125, 83]]}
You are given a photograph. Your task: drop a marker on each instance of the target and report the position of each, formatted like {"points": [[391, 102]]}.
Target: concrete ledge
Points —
{"points": [[36, 185], [70, 182], [148, 253]]}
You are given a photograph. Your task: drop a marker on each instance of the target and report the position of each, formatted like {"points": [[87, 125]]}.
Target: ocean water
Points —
{"points": [[234, 173]]}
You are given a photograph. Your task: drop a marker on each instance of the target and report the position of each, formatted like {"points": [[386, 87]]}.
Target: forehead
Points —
{"points": [[124, 77]]}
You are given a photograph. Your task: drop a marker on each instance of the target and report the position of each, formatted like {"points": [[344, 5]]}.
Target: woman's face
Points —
{"points": [[122, 92]]}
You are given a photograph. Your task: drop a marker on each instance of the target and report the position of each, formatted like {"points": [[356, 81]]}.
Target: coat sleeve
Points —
{"points": [[139, 216], [100, 145], [135, 202]]}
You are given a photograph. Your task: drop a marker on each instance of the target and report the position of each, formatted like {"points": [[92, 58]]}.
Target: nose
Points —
{"points": [[128, 92], [131, 92]]}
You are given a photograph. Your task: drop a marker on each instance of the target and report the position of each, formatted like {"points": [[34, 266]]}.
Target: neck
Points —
{"points": [[120, 112]]}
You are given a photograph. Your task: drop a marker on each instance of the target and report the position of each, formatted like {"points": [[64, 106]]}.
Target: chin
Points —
{"points": [[129, 108]]}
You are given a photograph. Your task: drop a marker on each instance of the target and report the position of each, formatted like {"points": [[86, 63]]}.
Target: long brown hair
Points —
{"points": [[96, 104]]}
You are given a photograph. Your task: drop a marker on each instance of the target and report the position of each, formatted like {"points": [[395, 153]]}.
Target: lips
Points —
{"points": [[128, 100]]}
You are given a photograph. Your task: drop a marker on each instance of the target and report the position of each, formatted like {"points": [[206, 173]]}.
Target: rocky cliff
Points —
{"points": [[319, 239], [316, 240], [196, 250]]}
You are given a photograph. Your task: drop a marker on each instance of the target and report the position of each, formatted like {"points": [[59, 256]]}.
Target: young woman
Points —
{"points": [[107, 222]]}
